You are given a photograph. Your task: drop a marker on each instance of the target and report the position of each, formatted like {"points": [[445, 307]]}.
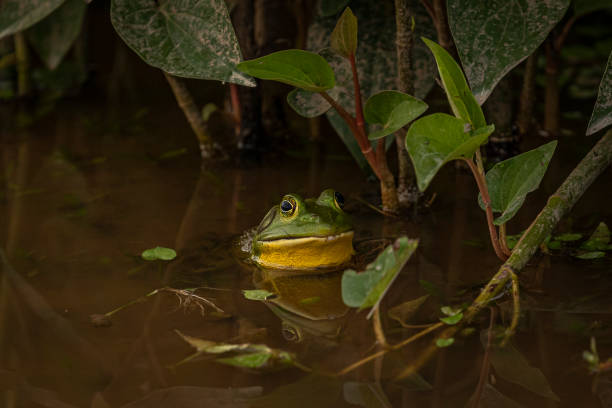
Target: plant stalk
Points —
{"points": [[358, 105], [527, 97], [23, 64], [502, 240]]}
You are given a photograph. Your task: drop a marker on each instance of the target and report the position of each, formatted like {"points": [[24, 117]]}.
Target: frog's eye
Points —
{"points": [[288, 206], [339, 199], [291, 333]]}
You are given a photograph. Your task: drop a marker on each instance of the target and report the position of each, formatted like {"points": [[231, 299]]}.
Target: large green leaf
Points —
{"points": [[510, 181], [437, 139], [302, 69], [17, 15], [367, 288], [460, 97], [344, 37], [492, 37], [186, 38], [393, 110], [53, 37], [602, 113]]}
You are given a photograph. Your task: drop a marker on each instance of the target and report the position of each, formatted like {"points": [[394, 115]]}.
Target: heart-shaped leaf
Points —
{"points": [[17, 15], [493, 37], [602, 113], [510, 181], [393, 110], [436, 139], [53, 36], [302, 69], [186, 38], [460, 97], [367, 288], [344, 37]]}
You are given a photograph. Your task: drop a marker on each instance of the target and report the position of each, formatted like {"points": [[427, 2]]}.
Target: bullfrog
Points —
{"points": [[304, 234]]}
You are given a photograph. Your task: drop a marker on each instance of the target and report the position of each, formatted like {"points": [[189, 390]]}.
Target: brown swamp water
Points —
{"points": [[80, 200]]}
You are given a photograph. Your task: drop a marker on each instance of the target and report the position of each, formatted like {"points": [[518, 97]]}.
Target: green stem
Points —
{"points": [[502, 240], [23, 63]]}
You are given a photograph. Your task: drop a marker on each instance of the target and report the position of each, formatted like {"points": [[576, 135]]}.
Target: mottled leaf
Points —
{"points": [[17, 15], [53, 36], [436, 139], [158, 254], [344, 37], [367, 288], [510, 181], [599, 240], [602, 113], [302, 69], [392, 110], [186, 38], [492, 37], [405, 311], [459, 95]]}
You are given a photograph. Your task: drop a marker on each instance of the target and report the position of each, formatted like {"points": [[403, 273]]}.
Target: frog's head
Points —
{"points": [[304, 233]]}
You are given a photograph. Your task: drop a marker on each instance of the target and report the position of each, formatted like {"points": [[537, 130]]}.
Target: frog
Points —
{"points": [[304, 234]]}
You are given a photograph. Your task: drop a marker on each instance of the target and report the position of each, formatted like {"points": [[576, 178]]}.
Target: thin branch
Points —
{"points": [[484, 370], [378, 329], [484, 192], [430, 10], [560, 40]]}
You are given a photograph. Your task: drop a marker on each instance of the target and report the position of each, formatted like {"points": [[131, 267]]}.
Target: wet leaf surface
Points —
{"points": [[186, 38], [367, 288], [17, 15], [511, 180], [491, 41]]}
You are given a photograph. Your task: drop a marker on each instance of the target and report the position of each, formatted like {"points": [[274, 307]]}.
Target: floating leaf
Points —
{"points": [[17, 15], [493, 37], [302, 69], [158, 254], [393, 110], [568, 237], [367, 288], [590, 255], [444, 342], [602, 112], [258, 294], [405, 311], [599, 240], [554, 245], [187, 38], [344, 37], [53, 36], [512, 366], [510, 181], [436, 139], [460, 97]]}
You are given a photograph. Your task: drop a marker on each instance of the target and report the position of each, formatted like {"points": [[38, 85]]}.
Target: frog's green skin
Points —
{"points": [[316, 233]]}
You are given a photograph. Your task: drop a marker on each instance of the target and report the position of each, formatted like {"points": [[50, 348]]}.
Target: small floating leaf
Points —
{"points": [[344, 37], [591, 255], [554, 245], [367, 288], [444, 342], [258, 294], [404, 311], [451, 320], [393, 110], [158, 253], [599, 240], [568, 237]]}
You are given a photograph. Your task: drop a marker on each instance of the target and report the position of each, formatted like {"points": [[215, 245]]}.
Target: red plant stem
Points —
{"points": [[362, 140], [502, 240], [358, 106], [429, 9], [235, 102], [484, 192]]}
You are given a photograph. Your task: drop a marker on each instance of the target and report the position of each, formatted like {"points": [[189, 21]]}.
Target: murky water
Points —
{"points": [[79, 202]]}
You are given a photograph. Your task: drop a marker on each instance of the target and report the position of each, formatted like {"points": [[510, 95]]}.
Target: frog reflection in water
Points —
{"points": [[304, 234]]}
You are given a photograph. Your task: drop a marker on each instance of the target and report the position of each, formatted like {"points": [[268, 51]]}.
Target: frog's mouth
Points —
{"points": [[305, 252]]}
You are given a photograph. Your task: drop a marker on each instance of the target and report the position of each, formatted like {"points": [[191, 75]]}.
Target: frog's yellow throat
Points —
{"points": [[305, 253]]}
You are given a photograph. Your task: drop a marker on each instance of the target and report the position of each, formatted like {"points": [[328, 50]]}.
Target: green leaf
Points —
{"points": [[258, 294], [158, 254], [344, 37], [512, 240], [582, 7], [186, 38], [436, 139], [460, 97], [512, 366], [393, 110], [510, 181], [367, 288], [451, 320], [302, 69], [602, 113], [591, 255], [568, 237], [493, 37], [590, 358], [17, 15], [442, 342], [554, 245], [403, 312], [53, 36], [208, 110], [599, 240]]}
